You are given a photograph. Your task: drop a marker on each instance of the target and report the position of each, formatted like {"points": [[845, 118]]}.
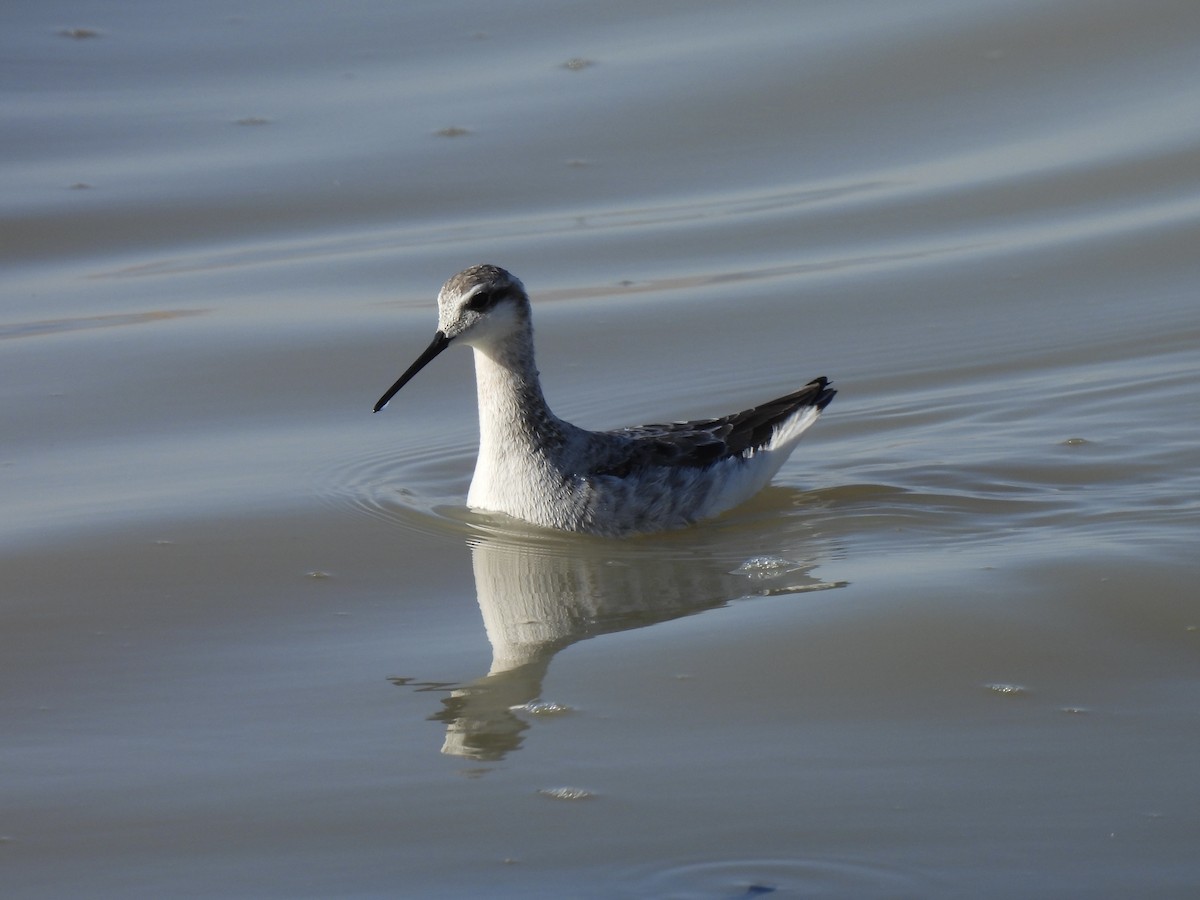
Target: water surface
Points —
{"points": [[254, 644]]}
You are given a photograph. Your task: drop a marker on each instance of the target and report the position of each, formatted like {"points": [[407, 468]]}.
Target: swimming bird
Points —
{"points": [[534, 466]]}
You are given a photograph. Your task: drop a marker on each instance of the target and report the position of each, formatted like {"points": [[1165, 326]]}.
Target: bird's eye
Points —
{"points": [[479, 301]]}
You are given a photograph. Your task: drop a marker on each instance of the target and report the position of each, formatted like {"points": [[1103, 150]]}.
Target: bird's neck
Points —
{"points": [[512, 409]]}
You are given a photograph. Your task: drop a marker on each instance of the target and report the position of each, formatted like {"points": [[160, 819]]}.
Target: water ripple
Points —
{"points": [[415, 488], [730, 879]]}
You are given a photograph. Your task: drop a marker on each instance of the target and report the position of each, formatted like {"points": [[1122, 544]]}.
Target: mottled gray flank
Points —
{"points": [[537, 467]]}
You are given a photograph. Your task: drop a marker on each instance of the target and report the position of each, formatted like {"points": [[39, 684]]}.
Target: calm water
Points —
{"points": [[253, 644]]}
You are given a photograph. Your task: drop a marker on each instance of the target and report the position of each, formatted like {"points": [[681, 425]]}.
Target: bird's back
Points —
{"points": [[655, 477]]}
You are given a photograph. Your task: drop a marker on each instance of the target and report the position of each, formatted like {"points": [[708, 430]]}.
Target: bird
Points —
{"points": [[536, 467]]}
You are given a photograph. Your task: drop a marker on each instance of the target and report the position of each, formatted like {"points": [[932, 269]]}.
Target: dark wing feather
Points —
{"points": [[702, 442]]}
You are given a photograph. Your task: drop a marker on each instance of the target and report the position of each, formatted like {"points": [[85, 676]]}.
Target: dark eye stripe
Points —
{"points": [[480, 301]]}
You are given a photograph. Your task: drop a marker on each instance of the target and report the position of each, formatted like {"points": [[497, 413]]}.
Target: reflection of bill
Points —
{"points": [[537, 598]]}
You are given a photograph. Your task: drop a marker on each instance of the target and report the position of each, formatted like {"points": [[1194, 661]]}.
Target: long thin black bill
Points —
{"points": [[440, 343]]}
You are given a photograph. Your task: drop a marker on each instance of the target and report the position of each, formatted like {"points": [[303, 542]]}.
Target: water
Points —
{"points": [[253, 644]]}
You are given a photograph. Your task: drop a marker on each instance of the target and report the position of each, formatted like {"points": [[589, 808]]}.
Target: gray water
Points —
{"points": [[253, 643]]}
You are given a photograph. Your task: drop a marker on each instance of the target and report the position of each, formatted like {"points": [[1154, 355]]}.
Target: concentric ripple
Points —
{"points": [[417, 488], [731, 879]]}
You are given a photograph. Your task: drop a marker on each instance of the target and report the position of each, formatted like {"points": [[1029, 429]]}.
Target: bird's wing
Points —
{"points": [[702, 442]]}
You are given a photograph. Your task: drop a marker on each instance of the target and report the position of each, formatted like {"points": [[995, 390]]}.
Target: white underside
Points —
{"points": [[735, 484]]}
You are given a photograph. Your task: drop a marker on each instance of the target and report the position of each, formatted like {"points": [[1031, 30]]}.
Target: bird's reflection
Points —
{"points": [[538, 597]]}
